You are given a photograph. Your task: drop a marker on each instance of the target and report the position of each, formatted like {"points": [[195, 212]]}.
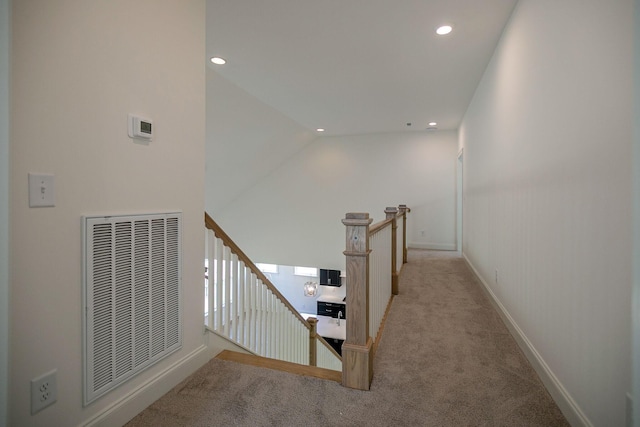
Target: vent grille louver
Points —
{"points": [[132, 296]]}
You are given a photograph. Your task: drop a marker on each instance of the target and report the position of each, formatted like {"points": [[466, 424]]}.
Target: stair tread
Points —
{"points": [[280, 365]]}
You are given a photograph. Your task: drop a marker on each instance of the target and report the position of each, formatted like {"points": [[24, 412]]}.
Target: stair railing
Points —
{"points": [[243, 306], [374, 257]]}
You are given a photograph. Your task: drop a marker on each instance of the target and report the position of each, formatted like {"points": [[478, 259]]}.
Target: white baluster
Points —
{"points": [[276, 327], [281, 332], [252, 312], [280, 336], [234, 297], [255, 321], [275, 331], [265, 320], [289, 335], [218, 284], [372, 281], [294, 342], [289, 332], [399, 249], [242, 338], [227, 291], [263, 317], [268, 311], [259, 319], [304, 353], [211, 247], [273, 327]]}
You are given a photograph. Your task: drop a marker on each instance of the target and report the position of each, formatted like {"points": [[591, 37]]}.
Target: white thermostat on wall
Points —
{"points": [[140, 127]]}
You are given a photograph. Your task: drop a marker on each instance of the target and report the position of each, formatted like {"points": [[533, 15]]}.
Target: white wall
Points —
{"points": [[293, 216], [246, 139], [5, 34], [547, 176], [78, 69]]}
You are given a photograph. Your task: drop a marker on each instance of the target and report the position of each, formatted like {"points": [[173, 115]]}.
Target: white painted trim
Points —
{"points": [[561, 396], [432, 246], [218, 342], [633, 418], [130, 405]]}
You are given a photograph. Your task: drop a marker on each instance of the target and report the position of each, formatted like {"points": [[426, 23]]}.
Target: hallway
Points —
{"points": [[445, 359]]}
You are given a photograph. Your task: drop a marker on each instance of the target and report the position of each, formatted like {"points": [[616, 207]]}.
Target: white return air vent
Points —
{"points": [[132, 296]]}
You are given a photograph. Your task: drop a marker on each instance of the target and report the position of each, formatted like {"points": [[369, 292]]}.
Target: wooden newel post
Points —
{"points": [[357, 361], [313, 349], [403, 211], [392, 214]]}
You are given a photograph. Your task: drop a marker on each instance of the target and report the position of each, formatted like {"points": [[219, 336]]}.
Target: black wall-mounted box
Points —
{"points": [[330, 277]]}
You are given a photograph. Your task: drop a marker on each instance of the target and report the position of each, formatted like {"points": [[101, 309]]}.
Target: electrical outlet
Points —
{"points": [[44, 391], [423, 233], [496, 276]]}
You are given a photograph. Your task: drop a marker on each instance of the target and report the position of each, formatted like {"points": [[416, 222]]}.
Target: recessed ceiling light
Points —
{"points": [[320, 130], [444, 30], [433, 124], [218, 61]]}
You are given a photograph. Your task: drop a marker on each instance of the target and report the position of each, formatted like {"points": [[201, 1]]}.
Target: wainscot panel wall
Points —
{"points": [[292, 216], [547, 196], [78, 69], [636, 221]]}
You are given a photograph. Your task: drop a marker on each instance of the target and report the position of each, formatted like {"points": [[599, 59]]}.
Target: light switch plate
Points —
{"points": [[41, 190]]}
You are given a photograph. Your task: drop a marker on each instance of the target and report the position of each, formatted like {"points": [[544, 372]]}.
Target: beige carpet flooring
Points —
{"points": [[445, 359]]}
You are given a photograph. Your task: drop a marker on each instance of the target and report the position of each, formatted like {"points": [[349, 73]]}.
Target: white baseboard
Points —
{"points": [[124, 409], [560, 395], [432, 246]]}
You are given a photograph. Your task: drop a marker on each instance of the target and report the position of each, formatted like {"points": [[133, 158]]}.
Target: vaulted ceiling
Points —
{"points": [[357, 66]]}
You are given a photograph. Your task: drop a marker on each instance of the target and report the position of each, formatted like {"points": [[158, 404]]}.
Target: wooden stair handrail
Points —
{"points": [[385, 222], [379, 226], [235, 249], [326, 344]]}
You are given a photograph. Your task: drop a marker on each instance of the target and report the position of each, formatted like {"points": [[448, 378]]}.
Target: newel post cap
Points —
{"points": [[313, 322], [357, 218]]}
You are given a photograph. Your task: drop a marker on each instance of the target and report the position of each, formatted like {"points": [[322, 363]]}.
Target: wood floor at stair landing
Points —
{"points": [[279, 365]]}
